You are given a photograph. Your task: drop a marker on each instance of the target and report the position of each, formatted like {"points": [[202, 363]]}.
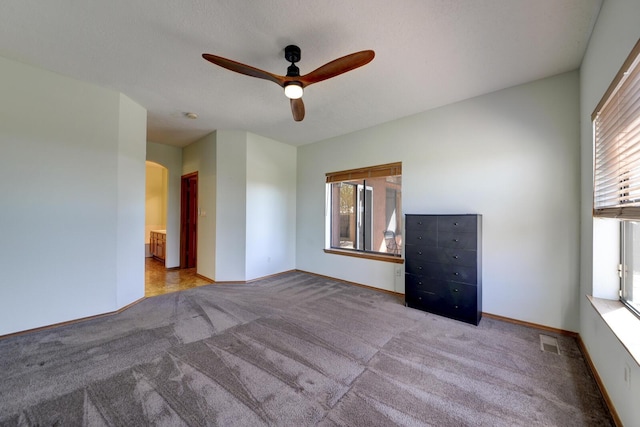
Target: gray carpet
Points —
{"points": [[292, 350]]}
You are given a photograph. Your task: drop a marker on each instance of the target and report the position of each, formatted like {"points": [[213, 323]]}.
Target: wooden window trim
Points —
{"points": [[614, 84], [389, 169], [366, 255]]}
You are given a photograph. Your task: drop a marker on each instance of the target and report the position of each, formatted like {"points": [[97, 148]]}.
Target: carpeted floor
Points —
{"points": [[292, 350]]}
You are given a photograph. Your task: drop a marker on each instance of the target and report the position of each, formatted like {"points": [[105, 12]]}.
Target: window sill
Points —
{"points": [[623, 323], [376, 257]]}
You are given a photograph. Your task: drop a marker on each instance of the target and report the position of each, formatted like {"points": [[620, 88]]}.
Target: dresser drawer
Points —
{"points": [[421, 238], [421, 252], [440, 271], [457, 239], [445, 298], [445, 256], [414, 283], [457, 223], [423, 224]]}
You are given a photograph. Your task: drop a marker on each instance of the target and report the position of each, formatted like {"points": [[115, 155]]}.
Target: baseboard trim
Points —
{"points": [[242, 282], [603, 390], [200, 276], [531, 325], [270, 276], [71, 322], [352, 283]]}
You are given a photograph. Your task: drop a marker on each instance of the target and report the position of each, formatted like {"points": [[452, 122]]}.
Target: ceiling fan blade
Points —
{"points": [[297, 108], [337, 67], [244, 69]]}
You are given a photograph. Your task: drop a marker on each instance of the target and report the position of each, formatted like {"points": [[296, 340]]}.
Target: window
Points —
{"points": [[616, 130], [630, 265], [365, 209]]}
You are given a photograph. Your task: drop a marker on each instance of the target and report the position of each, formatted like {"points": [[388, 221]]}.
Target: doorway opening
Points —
{"points": [[189, 220], [156, 211]]}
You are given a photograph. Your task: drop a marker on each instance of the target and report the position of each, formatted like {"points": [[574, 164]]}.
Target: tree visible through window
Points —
{"points": [[365, 207]]}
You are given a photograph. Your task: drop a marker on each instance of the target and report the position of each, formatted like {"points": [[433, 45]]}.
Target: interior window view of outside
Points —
{"points": [[631, 264], [366, 212], [616, 127]]}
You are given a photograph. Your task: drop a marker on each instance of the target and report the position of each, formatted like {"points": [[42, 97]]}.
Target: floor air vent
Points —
{"points": [[549, 344]]}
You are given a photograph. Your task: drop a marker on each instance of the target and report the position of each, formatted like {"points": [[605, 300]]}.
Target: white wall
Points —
{"points": [[131, 149], [171, 158], [63, 249], [231, 206], [511, 156], [246, 193], [200, 157], [615, 33], [271, 207]]}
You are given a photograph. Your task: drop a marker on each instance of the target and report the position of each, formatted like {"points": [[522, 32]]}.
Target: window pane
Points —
{"points": [[631, 263], [343, 215], [385, 228], [365, 215]]}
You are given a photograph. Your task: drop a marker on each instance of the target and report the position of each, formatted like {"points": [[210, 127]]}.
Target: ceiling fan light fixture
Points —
{"points": [[293, 90], [293, 83]]}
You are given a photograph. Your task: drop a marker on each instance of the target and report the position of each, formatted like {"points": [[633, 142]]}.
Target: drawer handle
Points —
{"points": [[420, 268], [455, 240], [419, 237], [456, 257], [455, 290], [455, 224], [456, 274], [419, 252], [419, 222], [455, 306], [419, 283]]}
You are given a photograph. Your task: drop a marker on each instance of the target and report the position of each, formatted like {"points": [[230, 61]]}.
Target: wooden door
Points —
{"points": [[189, 220]]}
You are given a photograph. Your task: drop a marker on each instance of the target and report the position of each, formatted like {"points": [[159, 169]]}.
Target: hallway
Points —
{"points": [[159, 281]]}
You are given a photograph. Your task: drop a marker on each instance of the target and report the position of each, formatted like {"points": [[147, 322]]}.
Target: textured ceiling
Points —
{"points": [[428, 53]]}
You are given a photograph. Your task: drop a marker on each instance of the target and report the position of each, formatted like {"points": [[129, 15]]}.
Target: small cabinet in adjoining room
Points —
{"points": [[158, 244], [443, 265]]}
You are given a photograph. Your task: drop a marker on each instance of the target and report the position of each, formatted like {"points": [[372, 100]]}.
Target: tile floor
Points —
{"points": [[158, 280]]}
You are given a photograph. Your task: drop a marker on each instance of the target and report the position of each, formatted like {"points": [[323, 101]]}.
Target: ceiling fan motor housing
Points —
{"points": [[292, 53]]}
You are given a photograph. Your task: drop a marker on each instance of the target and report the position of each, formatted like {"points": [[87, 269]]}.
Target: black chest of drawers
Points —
{"points": [[443, 265]]}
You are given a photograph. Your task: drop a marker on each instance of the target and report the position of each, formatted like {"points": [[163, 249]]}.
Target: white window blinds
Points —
{"points": [[616, 130]]}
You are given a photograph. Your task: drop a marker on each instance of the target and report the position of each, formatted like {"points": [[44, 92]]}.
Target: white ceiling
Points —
{"points": [[428, 53]]}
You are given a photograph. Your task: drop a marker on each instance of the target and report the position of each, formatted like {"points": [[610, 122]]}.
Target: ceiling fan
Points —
{"points": [[293, 83]]}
